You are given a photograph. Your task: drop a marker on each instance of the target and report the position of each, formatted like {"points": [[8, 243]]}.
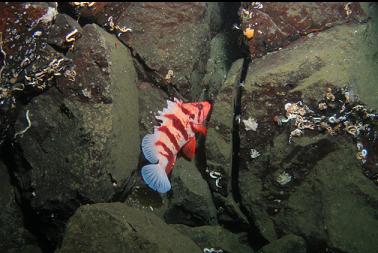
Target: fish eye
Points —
{"points": [[200, 106]]}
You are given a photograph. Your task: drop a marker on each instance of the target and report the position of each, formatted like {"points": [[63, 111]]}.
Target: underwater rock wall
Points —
{"points": [[82, 82]]}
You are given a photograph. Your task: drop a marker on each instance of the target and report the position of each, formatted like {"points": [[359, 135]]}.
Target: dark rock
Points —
{"points": [[26, 65], [332, 203], [161, 33], [151, 100], [116, 227], [217, 65], [216, 237], [277, 24], [64, 26], [315, 162], [191, 201], [83, 144], [286, 244], [98, 13], [161, 37], [14, 237], [24, 28]]}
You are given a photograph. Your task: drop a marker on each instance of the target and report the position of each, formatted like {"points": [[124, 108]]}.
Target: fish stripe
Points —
{"points": [[166, 149], [168, 154], [170, 164], [185, 111], [178, 125], [171, 137], [199, 114]]}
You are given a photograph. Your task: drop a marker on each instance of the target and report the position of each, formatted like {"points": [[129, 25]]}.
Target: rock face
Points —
{"points": [[84, 140], [191, 201], [14, 237], [277, 24], [118, 228], [216, 237], [287, 189], [161, 33]]}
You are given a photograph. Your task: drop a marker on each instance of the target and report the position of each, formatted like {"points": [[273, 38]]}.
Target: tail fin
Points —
{"points": [[154, 175]]}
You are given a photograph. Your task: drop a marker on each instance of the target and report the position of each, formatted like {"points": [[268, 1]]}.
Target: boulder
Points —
{"points": [[332, 203], [276, 25], [299, 174], [286, 244], [216, 237], [151, 100], [83, 140], [115, 227], [191, 202], [218, 64], [27, 65], [161, 33], [64, 32]]}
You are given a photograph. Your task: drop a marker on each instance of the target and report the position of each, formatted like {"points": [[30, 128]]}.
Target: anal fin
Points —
{"points": [[156, 178]]}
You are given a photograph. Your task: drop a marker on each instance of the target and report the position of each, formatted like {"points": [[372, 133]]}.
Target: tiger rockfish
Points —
{"points": [[176, 132]]}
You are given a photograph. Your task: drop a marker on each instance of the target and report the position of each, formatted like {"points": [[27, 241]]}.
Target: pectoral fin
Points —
{"points": [[200, 129], [189, 149]]}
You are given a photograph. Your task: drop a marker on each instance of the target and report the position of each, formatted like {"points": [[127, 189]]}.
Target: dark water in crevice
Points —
{"points": [[10, 155], [235, 131]]}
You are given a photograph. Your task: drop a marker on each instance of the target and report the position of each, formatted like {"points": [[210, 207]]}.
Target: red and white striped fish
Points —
{"points": [[176, 132]]}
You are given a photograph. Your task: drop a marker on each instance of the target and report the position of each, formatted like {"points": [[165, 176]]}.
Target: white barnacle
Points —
{"points": [[283, 178], [254, 153], [296, 132], [250, 124], [86, 93]]}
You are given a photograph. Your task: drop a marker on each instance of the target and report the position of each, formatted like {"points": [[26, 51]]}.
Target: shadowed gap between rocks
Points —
{"points": [[256, 239], [30, 217]]}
